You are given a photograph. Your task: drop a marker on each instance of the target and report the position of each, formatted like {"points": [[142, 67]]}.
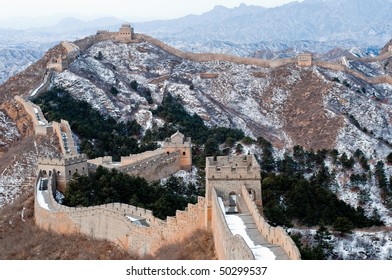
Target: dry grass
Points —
{"points": [[20, 239], [197, 246], [306, 121]]}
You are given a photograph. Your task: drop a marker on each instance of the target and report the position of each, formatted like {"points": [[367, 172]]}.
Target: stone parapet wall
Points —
{"points": [[274, 235], [67, 146], [205, 57], [227, 245], [63, 160], [110, 222], [228, 174], [41, 125], [156, 167], [232, 168], [132, 159], [384, 79]]}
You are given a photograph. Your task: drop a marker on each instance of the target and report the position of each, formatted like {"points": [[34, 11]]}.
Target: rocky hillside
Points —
{"points": [[314, 107]]}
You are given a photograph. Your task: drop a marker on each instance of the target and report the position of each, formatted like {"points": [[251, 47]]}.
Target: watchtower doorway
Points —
{"points": [[232, 208]]}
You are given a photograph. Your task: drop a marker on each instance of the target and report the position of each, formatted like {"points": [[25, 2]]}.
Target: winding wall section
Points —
{"points": [[133, 228]]}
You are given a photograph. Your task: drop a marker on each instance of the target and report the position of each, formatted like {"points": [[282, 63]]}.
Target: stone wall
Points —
{"points": [[56, 64], [64, 168], [305, 60], [339, 67], [156, 167], [133, 159], [205, 57], [227, 245], [209, 75], [178, 142], [111, 222], [41, 126], [274, 235], [227, 175], [64, 134]]}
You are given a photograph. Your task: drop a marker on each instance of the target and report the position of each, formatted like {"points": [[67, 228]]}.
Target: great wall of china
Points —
{"points": [[227, 179]]}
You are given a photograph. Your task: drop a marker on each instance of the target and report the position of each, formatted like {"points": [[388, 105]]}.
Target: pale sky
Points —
{"points": [[132, 10]]}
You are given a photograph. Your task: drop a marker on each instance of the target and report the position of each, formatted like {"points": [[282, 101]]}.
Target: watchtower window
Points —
{"points": [[183, 153], [168, 153], [58, 173], [69, 172], [218, 169]]}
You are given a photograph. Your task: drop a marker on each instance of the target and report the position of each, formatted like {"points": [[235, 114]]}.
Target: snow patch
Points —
{"points": [[237, 226]]}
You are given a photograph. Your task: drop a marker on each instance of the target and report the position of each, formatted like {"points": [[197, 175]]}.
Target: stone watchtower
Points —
{"points": [[227, 175], [305, 60], [178, 142], [56, 64], [64, 168], [125, 34]]}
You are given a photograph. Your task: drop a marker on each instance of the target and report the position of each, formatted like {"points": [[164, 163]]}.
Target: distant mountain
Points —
{"points": [[359, 22], [21, 48], [317, 26]]}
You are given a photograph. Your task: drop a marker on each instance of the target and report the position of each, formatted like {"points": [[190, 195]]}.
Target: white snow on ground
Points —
{"points": [[144, 118], [360, 245], [8, 131], [40, 196], [237, 226], [34, 92], [346, 192], [187, 177], [11, 180], [135, 221]]}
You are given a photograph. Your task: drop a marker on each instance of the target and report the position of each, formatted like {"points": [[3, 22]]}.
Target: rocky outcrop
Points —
{"points": [[19, 123]]}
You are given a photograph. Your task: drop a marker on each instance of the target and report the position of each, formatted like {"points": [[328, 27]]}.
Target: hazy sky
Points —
{"points": [[133, 10]]}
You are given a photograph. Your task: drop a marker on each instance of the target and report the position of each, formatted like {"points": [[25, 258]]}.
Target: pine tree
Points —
{"points": [[343, 225]]}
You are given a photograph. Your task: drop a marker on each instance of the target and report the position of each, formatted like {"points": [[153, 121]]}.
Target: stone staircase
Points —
{"points": [[253, 232]]}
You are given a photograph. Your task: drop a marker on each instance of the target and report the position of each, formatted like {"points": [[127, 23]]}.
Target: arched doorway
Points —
{"points": [[232, 208]]}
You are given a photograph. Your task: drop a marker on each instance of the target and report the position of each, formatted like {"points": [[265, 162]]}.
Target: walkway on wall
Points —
{"points": [[260, 247]]}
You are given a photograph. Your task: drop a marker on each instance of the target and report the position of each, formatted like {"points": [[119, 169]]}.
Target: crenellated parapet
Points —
{"points": [[64, 134], [59, 161], [64, 167], [135, 229], [274, 235], [244, 167]]}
